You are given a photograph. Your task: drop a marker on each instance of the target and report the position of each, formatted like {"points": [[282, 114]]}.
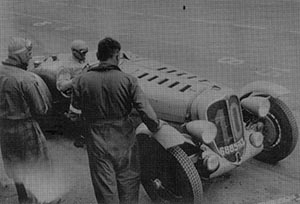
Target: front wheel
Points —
{"points": [[168, 176], [280, 133]]}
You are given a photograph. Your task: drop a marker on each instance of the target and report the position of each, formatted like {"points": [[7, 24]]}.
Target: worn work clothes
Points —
{"points": [[22, 96], [115, 179], [70, 68], [106, 96], [105, 92], [23, 147]]}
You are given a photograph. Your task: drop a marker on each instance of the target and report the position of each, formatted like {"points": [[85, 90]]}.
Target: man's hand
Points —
{"points": [[79, 142], [72, 116], [160, 124], [66, 93]]}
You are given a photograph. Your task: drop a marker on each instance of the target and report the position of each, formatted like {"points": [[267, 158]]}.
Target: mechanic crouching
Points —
{"points": [[105, 96], [23, 96]]}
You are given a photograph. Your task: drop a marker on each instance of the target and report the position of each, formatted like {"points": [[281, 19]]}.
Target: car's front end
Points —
{"points": [[235, 140]]}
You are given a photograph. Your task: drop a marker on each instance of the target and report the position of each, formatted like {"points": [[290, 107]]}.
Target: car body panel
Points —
{"points": [[179, 97]]}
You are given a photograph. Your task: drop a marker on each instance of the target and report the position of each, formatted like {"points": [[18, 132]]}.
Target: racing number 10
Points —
{"points": [[235, 117]]}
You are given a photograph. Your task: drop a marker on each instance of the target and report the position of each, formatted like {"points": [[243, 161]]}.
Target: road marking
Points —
{"points": [[37, 17], [286, 199], [249, 26], [42, 23], [268, 73], [174, 18], [230, 60]]}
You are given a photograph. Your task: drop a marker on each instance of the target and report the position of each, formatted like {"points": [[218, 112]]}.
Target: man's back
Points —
{"points": [[107, 93]]}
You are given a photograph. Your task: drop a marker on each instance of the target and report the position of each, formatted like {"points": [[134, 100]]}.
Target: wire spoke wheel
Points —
{"points": [[280, 132], [168, 176]]}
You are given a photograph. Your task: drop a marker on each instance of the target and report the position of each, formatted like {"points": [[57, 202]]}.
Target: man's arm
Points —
{"points": [[64, 79], [75, 106], [144, 108]]}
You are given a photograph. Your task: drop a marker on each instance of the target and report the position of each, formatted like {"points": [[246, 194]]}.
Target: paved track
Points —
{"points": [[229, 41]]}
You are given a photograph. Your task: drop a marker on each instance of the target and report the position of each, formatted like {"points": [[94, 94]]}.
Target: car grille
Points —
{"points": [[226, 115]]}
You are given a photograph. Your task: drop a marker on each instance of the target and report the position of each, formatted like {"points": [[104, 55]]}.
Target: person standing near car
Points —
{"points": [[105, 96], [23, 95], [71, 68]]}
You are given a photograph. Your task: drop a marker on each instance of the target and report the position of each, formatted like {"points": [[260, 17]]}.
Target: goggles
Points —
{"points": [[27, 47], [82, 51]]}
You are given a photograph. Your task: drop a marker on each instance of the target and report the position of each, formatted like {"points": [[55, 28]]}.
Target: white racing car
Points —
{"points": [[212, 129]]}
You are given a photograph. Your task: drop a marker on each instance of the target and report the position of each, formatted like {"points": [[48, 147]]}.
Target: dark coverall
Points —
{"points": [[106, 96], [22, 95]]}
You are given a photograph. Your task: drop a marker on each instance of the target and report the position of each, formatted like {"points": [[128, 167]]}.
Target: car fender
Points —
{"points": [[264, 87], [167, 135]]}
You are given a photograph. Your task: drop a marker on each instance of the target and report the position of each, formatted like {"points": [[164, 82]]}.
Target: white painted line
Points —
{"points": [[230, 60], [169, 17], [286, 199], [268, 73], [42, 23], [37, 17], [249, 26]]}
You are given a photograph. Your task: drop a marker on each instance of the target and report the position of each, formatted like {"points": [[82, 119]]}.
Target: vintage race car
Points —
{"points": [[211, 128]]}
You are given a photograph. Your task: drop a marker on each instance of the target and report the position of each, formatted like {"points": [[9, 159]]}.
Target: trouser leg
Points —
{"points": [[128, 178], [21, 191], [103, 179]]}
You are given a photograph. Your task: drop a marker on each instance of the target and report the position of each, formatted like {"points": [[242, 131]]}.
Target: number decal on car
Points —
{"points": [[236, 118], [220, 120], [226, 150]]}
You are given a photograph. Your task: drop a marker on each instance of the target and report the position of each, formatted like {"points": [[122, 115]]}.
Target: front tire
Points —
{"points": [[168, 176], [280, 132]]}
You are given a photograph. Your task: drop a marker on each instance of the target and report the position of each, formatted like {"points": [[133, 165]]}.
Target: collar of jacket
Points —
{"points": [[10, 61], [103, 67]]}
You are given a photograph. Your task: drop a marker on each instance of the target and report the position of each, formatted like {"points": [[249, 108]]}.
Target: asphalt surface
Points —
{"points": [[232, 42]]}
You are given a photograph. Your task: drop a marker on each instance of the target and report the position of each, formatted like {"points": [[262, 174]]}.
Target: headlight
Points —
{"points": [[256, 104], [204, 130], [256, 139], [211, 162]]}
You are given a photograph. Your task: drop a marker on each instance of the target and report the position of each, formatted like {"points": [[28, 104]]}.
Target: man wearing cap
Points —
{"points": [[72, 67], [23, 96], [105, 96]]}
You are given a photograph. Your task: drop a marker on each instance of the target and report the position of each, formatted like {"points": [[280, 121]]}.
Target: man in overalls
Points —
{"points": [[106, 96]]}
